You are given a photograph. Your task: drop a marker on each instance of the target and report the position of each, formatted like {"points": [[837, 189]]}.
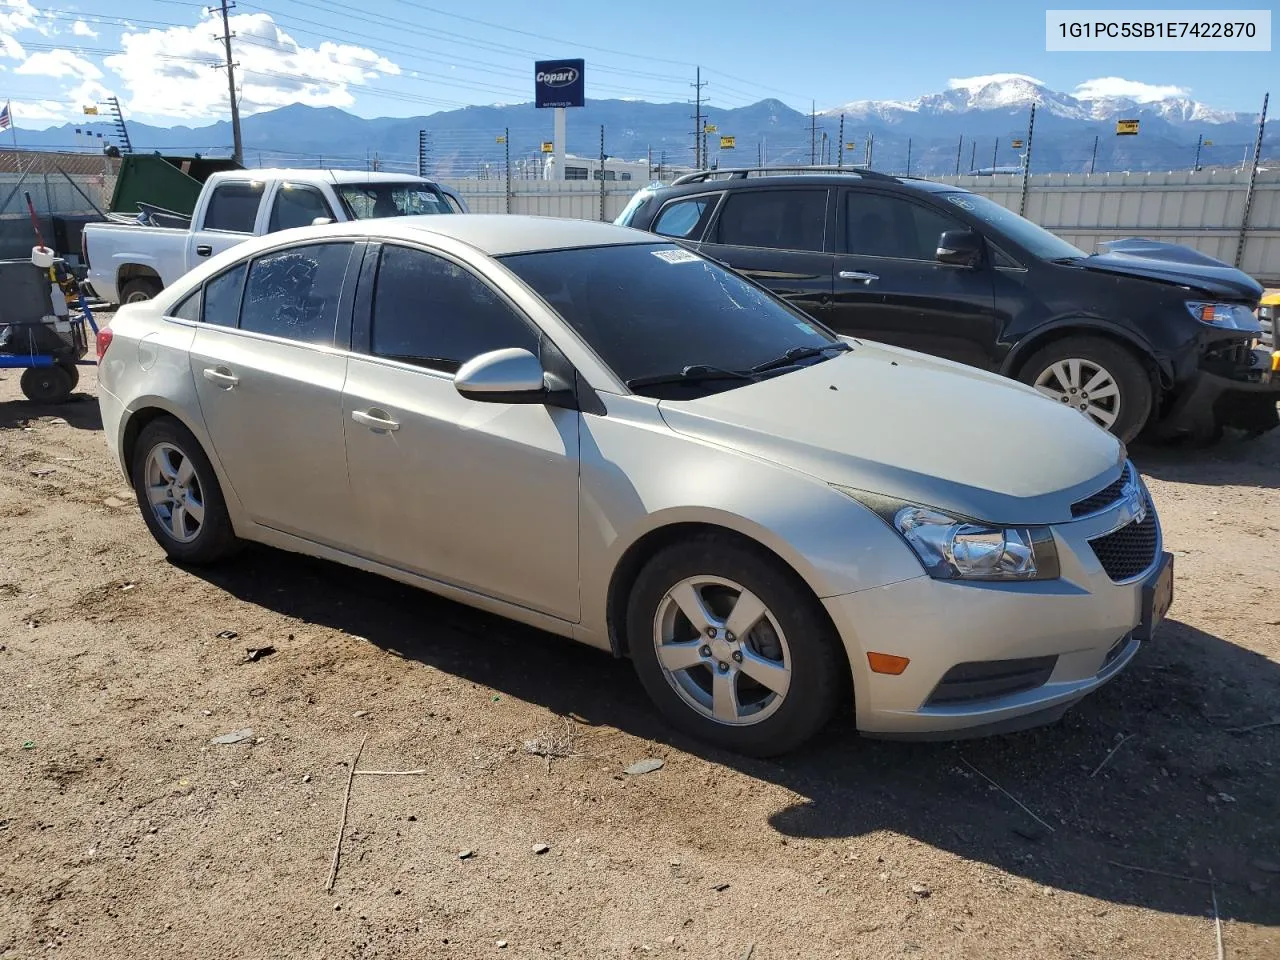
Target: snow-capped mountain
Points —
{"points": [[1014, 92]]}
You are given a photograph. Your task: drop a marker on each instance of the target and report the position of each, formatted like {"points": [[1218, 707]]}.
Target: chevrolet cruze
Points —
{"points": [[603, 434]]}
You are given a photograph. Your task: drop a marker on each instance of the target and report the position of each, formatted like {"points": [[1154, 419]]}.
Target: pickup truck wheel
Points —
{"points": [[142, 288], [1101, 379]]}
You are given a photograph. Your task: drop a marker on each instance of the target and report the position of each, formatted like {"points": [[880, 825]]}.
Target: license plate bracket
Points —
{"points": [[1157, 598]]}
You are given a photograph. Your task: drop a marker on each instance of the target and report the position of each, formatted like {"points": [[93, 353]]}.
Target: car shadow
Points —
{"points": [[1180, 797], [1236, 460], [80, 410]]}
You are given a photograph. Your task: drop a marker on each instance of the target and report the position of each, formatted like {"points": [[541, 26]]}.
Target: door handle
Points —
{"points": [[221, 376], [203, 250], [375, 419], [857, 275]]}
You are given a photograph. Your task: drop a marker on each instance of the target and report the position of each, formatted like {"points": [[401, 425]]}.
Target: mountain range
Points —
{"points": [[988, 113]]}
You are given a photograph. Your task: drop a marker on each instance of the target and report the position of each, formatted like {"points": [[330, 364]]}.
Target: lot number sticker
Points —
{"points": [[675, 256]]}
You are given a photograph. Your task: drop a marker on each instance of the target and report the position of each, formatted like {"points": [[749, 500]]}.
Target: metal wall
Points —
{"points": [[52, 194], [1202, 210]]}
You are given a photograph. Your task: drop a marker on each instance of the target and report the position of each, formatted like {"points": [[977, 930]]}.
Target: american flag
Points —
{"points": [[6, 120]]}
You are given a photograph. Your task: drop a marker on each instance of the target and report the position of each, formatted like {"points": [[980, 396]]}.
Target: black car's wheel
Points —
{"points": [[732, 647], [1101, 379], [139, 289], [179, 495], [46, 384]]}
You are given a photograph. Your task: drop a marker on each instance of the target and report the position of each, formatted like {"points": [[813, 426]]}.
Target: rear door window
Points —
{"points": [[778, 219], [233, 206], [685, 219], [297, 205], [222, 297], [295, 293]]}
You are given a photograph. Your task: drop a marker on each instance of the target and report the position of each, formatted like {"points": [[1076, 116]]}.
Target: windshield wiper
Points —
{"points": [[693, 373], [796, 354]]}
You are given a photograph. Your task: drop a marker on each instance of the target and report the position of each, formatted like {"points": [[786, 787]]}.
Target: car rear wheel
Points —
{"points": [[140, 289], [733, 648], [1100, 379], [179, 495]]}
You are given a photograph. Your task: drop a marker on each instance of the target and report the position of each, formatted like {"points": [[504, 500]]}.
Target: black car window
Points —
{"points": [[222, 297], [294, 293], [685, 218], [881, 225], [188, 308], [429, 311], [782, 219], [233, 206], [653, 309], [297, 206]]}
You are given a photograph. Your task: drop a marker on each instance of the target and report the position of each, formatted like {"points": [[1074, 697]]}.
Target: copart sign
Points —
{"points": [[559, 83]]}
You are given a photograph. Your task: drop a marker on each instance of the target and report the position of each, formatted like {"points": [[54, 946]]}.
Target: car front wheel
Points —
{"points": [[179, 495], [732, 646], [1096, 377]]}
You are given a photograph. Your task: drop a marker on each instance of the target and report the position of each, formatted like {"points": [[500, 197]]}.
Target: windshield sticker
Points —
{"points": [[675, 256], [964, 203], [806, 328]]}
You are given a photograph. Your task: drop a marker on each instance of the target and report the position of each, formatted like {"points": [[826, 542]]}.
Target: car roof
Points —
{"points": [[495, 234], [728, 181], [313, 175]]}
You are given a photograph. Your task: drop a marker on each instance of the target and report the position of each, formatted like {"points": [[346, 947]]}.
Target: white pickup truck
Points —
{"points": [[131, 261]]}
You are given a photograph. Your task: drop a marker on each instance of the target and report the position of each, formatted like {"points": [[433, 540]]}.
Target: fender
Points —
{"points": [[1025, 347]]}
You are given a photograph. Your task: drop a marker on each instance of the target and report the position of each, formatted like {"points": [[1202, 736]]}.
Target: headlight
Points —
{"points": [[952, 548], [1229, 316]]}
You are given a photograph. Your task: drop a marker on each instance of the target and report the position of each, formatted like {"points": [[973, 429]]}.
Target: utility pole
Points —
{"points": [[422, 153], [602, 171], [994, 150], [698, 135], [1199, 144], [871, 148], [841, 163], [506, 147], [973, 155], [1026, 162], [1253, 179], [908, 156], [122, 132], [649, 163], [959, 147], [1094, 159], [813, 133], [238, 149]]}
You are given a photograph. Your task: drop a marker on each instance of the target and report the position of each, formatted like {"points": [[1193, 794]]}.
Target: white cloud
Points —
{"points": [[168, 72], [1109, 87], [977, 83], [11, 48], [59, 63], [17, 15], [82, 29]]}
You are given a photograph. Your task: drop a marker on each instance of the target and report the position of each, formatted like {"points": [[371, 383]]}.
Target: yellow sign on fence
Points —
{"points": [[710, 128], [548, 147], [1126, 128], [501, 140], [726, 143], [1016, 144], [851, 146]]}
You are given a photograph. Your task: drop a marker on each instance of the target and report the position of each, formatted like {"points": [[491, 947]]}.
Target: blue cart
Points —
{"points": [[40, 333]]}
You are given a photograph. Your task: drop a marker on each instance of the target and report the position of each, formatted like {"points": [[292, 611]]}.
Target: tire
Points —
{"points": [[792, 631], [72, 372], [166, 452], [1083, 359], [46, 384], [139, 289]]}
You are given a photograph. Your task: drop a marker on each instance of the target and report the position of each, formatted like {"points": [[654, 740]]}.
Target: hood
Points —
{"points": [[917, 428], [1176, 264]]}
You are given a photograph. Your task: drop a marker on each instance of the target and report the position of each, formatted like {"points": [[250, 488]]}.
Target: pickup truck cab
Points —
{"points": [[131, 261]]}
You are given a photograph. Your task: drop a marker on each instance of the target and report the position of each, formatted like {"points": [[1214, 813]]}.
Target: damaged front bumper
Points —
{"points": [[1245, 399]]}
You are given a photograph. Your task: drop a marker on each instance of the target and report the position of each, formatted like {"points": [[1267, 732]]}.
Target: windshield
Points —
{"points": [[369, 201], [651, 310], [1035, 240]]}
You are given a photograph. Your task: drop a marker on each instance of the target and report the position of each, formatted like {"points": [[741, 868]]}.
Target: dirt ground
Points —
{"points": [[125, 832]]}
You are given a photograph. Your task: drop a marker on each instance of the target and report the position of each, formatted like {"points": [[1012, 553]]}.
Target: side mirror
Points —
{"points": [[321, 221], [511, 375], [962, 248]]}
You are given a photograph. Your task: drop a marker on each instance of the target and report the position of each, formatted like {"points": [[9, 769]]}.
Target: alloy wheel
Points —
{"points": [[173, 490], [722, 650], [1084, 386]]}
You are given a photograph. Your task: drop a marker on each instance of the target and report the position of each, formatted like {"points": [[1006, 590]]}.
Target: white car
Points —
{"points": [[598, 432]]}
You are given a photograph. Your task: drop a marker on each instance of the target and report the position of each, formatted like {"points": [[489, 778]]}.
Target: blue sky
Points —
{"points": [[405, 57]]}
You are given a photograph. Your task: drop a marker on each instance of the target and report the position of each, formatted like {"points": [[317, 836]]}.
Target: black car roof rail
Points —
{"points": [[741, 173]]}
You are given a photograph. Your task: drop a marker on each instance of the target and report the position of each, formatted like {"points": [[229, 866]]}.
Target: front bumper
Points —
{"points": [[1209, 400], [1083, 627]]}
